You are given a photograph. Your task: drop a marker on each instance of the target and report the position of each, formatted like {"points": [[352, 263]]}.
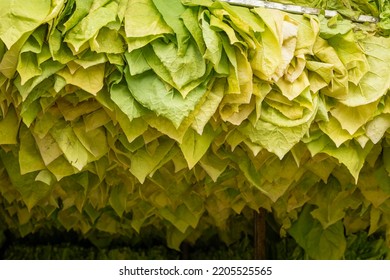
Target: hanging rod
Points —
{"points": [[295, 9]]}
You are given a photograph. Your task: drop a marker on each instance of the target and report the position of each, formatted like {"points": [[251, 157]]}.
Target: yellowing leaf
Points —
{"points": [[374, 84], [28, 66], [143, 163], [194, 146], [29, 155], [376, 128], [9, 126], [94, 141], [352, 155], [209, 107], [31, 191], [268, 57], [48, 148], [72, 148], [143, 19], [213, 165], [352, 118], [90, 25], [90, 79], [333, 129], [21, 17], [118, 198]]}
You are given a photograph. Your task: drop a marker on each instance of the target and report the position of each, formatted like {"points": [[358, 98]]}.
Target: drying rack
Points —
{"points": [[296, 9]]}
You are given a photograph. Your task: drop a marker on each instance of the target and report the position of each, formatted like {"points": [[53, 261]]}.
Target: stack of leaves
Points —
{"points": [[118, 114]]}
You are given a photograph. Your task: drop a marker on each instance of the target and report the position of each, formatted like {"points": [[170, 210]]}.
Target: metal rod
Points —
{"points": [[295, 9]]}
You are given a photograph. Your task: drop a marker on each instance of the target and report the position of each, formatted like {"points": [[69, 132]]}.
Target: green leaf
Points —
{"points": [[137, 62], [132, 129], [376, 129], [144, 162], [333, 129], [212, 42], [45, 176], [58, 49], [122, 97], [143, 19], [250, 171], [373, 84], [81, 9], [48, 147], [332, 201], [90, 79], [29, 156], [352, 55], [171, 12], [369, 187], [90, 25], [276, 139], [21, 17], [28, 66], [175, 237], [9, 60], [152, 93], [319, 243], [352, 155], [94, 141], [96, 119], [190, 21], [87, 59], [295, 88], [386, 159], [375, 217], [68, 142], [334, 26], [48, 69], [321, 167], [69, 217], [266, 61], [174, 217], [140, 214], [118, 198], [9, 126], [383, 177], [213, 165], [31, 107], [337, 87], [194, 146], [184, 69], [32, 192], [108, 41], [352, 118]]}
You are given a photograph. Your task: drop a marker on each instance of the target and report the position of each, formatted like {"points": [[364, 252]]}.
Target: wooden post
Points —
{"points": [[260, 234], [185, 251]]}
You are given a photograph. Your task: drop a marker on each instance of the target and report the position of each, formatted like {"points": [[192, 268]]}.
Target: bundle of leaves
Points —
{"points": [[119, 114]]}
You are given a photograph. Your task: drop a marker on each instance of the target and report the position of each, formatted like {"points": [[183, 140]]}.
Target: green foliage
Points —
{"points": [[360, 246], [318, 243], [182, 114], [71, 252]]}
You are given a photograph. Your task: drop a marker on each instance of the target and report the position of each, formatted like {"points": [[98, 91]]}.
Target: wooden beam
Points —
{"points": [[260, 234]]}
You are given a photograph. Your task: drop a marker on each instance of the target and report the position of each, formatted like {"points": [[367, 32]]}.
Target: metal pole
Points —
{"points": [[295, 9]]}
